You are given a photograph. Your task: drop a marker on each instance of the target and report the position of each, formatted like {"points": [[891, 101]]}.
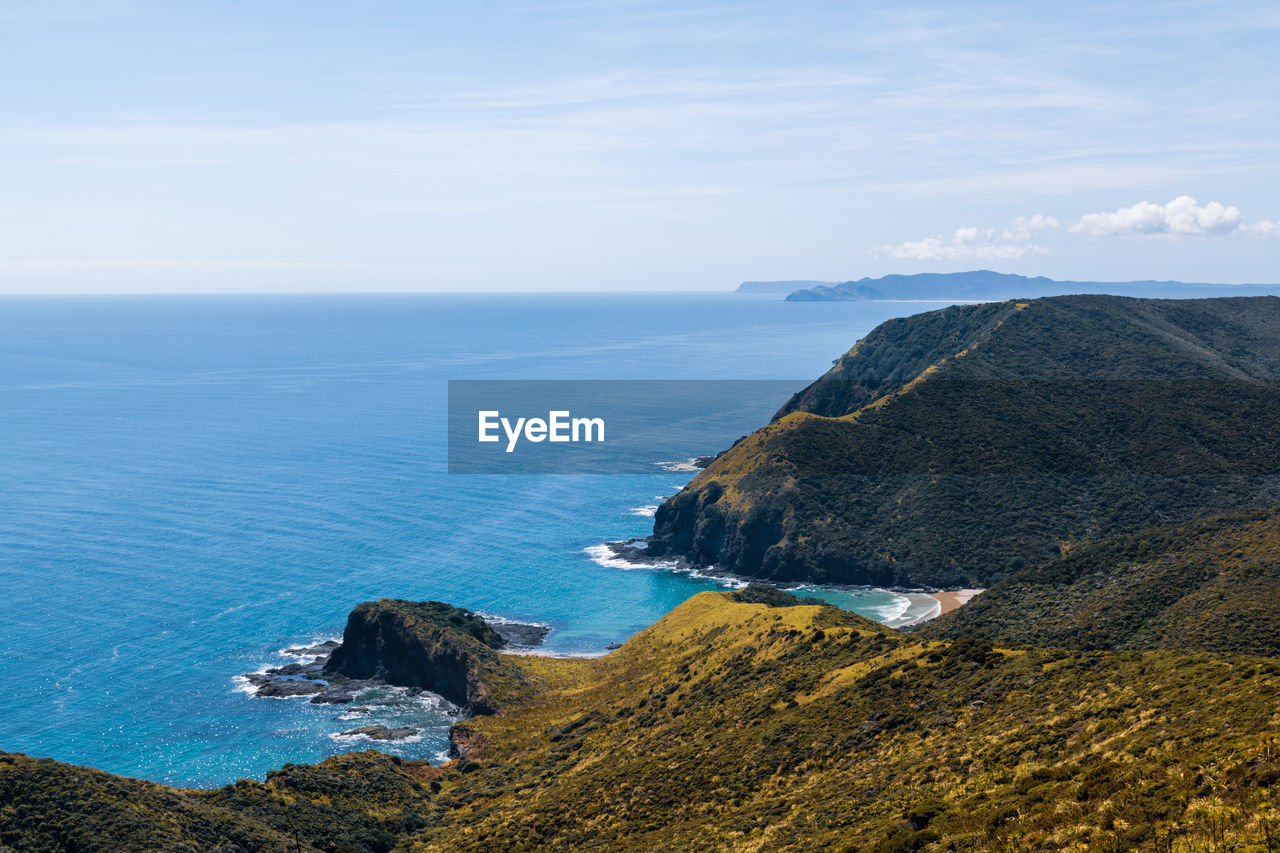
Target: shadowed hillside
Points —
{"points": [[957, 446], [1212, 585]]}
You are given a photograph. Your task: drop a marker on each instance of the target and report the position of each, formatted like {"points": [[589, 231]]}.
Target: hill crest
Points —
{"points": [[952, 447]]}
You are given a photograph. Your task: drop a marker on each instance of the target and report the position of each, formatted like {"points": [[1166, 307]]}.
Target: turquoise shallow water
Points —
{"points": [[191, 484]]}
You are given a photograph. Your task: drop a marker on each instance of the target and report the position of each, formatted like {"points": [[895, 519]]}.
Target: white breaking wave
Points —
{"points": [[603, 555], [646, 511], [354, 715], [683, 465], [495, 619], [341, 738], [286, 652], [730, 582], [542, 653], [243, 685], [933, 613], [920, 608], [895, 609]]}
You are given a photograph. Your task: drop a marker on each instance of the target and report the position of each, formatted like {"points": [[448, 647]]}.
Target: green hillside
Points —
{"points": [[753, 722], [1212, 585], [957, 446]]}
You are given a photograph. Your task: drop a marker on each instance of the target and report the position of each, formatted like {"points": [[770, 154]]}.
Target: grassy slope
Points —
{"points": [[744, 727], [957, 446], [356, 802], [740, 726], [1212, 585]]}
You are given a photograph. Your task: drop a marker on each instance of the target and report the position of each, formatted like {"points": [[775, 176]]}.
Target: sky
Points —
{"points": [[631, 145]]}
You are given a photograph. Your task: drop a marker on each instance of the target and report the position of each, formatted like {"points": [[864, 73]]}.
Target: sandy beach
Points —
{"points": [[953, 598]]}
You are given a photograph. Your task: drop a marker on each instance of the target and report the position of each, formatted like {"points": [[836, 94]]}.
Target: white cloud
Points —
{"points": [[980, 243], [1182, 217], [1263, 227], [1024, 227]]}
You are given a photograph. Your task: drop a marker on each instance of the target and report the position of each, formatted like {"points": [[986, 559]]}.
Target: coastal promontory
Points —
{"points": [[428, 645], [954, 447]]}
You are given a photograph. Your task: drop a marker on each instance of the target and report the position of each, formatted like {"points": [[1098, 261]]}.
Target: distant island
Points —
{"points": [[779, 288], [985, 285]]}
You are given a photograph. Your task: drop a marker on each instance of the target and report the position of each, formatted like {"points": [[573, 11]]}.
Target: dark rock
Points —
{"points": [[315, 650], [705, 461], [464, 741], [304, 670], [383, 733], [613, 646], [333, 696], [646, 551], [283, 688], [757, 593], [521, 634], [427, 645]]}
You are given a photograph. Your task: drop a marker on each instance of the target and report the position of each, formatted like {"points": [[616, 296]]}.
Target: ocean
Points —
{"points": [[193, 484]]}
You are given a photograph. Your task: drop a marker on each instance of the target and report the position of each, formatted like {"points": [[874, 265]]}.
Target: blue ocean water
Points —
{"points": [[191, 484]]}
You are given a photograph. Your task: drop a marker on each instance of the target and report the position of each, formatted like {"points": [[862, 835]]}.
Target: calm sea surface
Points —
{"points": [[189, 485]]}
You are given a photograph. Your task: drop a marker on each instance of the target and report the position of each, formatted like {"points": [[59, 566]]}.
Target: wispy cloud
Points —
{"points": [[978, 243], [1263, 227], [1181, 218]]}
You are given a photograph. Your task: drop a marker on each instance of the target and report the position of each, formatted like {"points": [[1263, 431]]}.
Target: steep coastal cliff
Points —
{"points": [[957, 446], [430, 645]]}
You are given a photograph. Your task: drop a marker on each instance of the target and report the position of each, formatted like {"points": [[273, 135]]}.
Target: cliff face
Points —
{"points": [[957, 446], [430, 645]]}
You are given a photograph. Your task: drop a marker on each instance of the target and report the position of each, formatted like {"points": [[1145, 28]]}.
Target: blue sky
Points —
{"points": [[284, 146]]}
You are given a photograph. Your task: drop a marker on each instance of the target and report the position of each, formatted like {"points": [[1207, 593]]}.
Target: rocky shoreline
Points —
{"points": [[320, 673], [636, 552]]}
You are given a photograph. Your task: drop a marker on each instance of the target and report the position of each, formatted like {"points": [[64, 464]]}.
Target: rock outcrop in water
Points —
{"points": [[423, 645], [383, 732], [427, 645]]}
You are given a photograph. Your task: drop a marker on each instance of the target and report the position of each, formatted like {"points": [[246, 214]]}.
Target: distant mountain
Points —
{"points": [[957, 446], [780, 288], [987, 285]]}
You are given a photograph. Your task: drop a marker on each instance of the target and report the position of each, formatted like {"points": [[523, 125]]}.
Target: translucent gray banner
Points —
{"points": [[583, 426]]}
